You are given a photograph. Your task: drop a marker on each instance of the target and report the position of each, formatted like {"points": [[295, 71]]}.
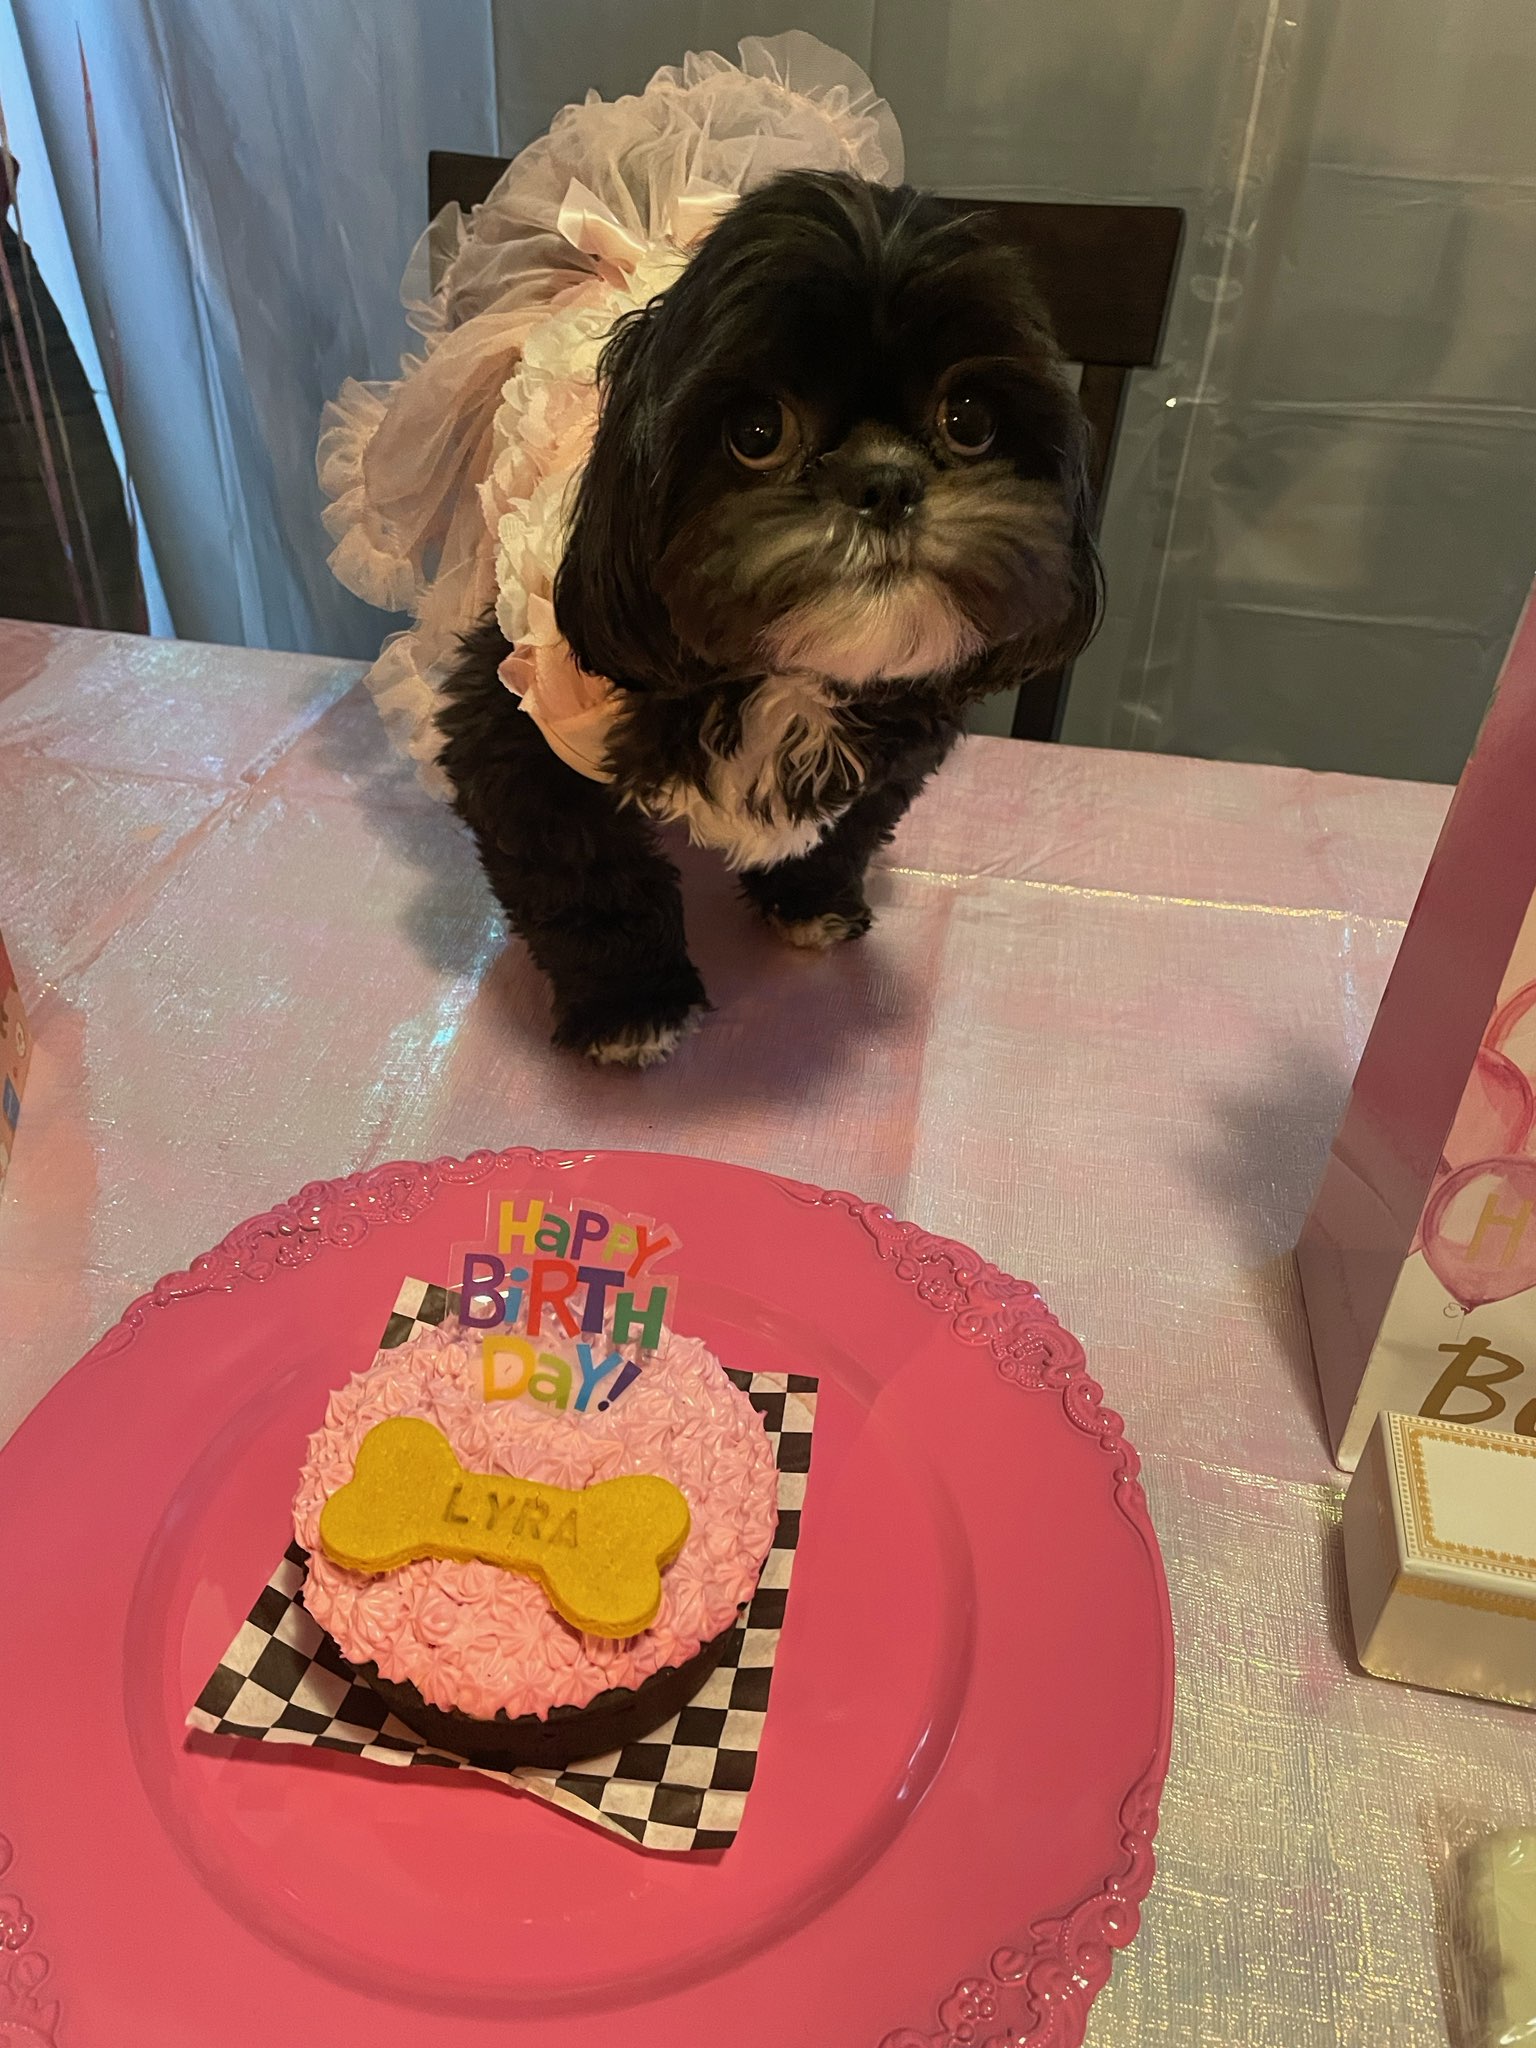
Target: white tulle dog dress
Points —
{"points": [[447, 489]]}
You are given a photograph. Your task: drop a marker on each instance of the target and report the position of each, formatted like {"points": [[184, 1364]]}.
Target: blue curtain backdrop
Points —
{"points": [[263, 177]]}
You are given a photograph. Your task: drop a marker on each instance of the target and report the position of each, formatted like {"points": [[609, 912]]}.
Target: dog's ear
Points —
{"points": [[1085, 609], [605, 592], [1068, 600], [1064, 428]]}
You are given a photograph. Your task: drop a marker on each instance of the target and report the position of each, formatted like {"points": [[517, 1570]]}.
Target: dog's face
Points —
{"points": [[841, 443]]}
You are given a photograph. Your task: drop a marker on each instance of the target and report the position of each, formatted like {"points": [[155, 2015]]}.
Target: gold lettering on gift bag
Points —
{"points": [[1493, 1219], [1463, 1373]]}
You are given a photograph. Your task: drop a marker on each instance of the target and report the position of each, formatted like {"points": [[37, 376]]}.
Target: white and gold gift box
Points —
{"points": [[1440, 1552]]}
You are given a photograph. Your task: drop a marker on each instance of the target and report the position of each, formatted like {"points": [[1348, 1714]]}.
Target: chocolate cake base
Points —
{"points": [[566, 1734]]}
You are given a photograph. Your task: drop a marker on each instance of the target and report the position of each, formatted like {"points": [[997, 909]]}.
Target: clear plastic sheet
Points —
{"points": [[1324, 501], [263, 178]]}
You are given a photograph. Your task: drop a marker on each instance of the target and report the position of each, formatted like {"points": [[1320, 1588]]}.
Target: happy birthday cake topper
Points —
{"points": [[591, 1275]]}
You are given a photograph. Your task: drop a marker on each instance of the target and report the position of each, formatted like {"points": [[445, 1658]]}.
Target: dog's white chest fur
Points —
{"points": [[789, 732]]}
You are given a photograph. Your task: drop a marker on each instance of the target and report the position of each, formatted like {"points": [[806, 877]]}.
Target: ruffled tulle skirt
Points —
{"points": [[447, 489]]}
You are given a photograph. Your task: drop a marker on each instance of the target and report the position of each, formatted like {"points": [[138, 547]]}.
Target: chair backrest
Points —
{"points": [[1105, 276]]}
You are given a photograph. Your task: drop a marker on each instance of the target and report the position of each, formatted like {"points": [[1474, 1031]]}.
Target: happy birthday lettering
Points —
{"points": [[545, 1375], [581, 1276], [627, 1243]]}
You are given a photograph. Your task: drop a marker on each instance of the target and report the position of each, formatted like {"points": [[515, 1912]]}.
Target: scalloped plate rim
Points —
{"points": [[1042, 1994]]}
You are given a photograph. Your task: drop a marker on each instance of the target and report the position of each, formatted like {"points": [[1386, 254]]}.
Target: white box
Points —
{"points": [[1440, 1552]]}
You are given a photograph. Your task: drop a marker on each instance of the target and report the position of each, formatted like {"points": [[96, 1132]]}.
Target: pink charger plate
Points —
{"points": [[951, 1827]]}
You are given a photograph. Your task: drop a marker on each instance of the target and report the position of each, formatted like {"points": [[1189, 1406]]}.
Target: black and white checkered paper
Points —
{"points": [[684, 1787]]}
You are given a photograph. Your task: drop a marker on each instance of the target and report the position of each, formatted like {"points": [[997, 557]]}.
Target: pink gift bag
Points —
{"points": [[1418, 1261]]}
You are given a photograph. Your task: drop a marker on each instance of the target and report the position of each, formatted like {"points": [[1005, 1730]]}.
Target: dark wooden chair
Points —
{"points": [[1105, 275]]}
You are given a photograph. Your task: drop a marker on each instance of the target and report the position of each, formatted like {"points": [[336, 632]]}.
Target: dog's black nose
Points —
{"points": [[885, 492]]}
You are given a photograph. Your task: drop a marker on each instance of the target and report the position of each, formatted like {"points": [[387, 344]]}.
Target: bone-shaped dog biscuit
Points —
{"points": [[598, 1552]]}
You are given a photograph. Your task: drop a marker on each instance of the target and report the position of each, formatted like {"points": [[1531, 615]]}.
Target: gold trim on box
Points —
{"points": [[1467, 1596], [1461, 1692], [1416, 1428]]}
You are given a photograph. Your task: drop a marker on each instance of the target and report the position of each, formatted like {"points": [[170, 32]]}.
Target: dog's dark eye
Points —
{"points": [[967, 423], [760, 433]]}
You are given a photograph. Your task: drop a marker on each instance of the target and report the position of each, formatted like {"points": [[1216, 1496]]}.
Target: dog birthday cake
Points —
{"points": [[532, 1526]]}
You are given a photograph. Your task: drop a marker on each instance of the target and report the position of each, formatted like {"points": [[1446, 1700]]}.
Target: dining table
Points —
{"points": [[1101, 1031]]}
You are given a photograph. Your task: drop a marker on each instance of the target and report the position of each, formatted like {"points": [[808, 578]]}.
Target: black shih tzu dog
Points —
{"points": [[837, 493]]}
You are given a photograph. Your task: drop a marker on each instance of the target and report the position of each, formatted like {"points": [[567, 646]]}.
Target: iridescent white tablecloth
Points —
{"points": [[1101, 1031]]}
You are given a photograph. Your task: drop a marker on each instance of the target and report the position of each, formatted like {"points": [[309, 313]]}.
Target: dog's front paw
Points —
{"points": [[639, 1028], [641, 1045], [821, 933]]}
